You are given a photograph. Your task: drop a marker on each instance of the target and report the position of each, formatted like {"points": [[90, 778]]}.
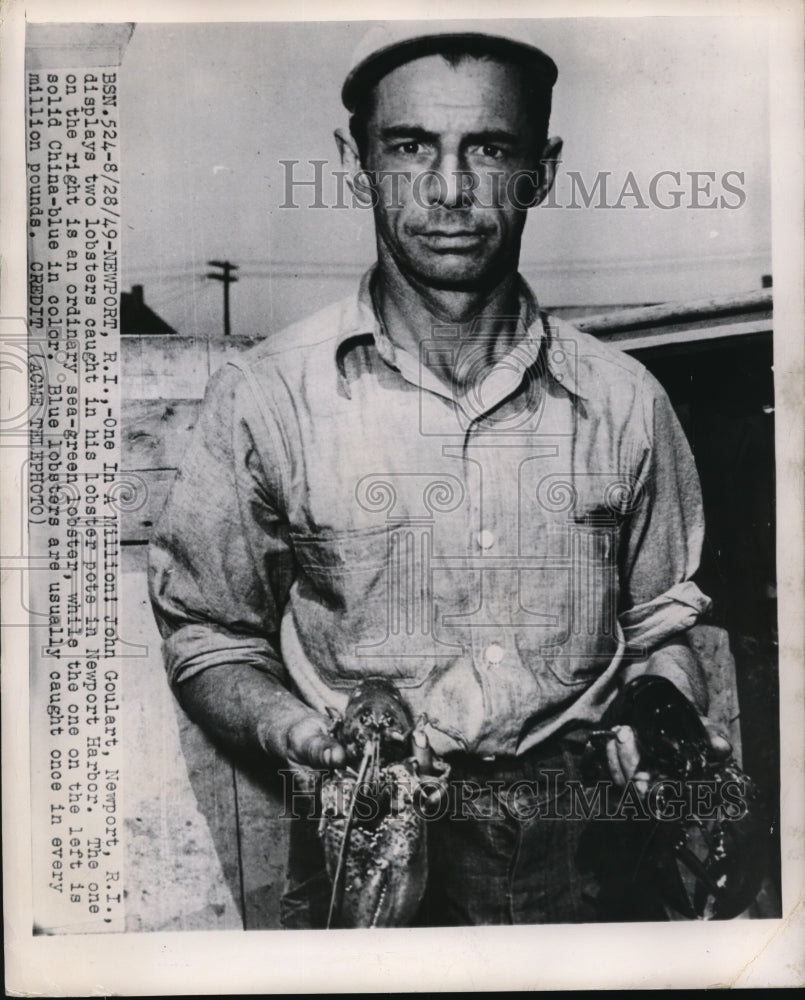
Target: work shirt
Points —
{"points": [[499, 549]]}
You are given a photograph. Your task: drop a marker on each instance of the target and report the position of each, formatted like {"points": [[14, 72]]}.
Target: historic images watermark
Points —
{"points": [[551, 796], [310, 184]]}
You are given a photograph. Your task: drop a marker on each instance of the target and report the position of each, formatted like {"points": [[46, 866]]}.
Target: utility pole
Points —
{"points": [[227, 278]]}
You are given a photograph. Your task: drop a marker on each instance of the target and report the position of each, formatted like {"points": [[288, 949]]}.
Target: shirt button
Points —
{"points": [[485, 539], [494, 653]]}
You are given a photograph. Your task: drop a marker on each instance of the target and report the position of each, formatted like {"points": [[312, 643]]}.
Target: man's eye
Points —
{"points": [[410, 148], [491, 152]]}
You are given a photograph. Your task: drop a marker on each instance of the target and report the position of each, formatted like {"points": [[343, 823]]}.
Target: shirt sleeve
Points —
{"points": [[220, 563], [662, 540]]}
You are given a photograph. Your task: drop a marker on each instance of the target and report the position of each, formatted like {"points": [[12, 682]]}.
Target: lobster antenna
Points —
{"points": [[368, 753]]}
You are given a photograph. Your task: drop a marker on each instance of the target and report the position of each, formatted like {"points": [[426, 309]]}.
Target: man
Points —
{"points": [[435, 483]]}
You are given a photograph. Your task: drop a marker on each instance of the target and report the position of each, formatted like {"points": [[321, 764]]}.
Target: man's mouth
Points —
{"points": [[452, 241]]}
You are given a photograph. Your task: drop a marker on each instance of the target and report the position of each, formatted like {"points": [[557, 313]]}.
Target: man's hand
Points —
{"points": [[673, 660], [309, 743], [623, 754]]}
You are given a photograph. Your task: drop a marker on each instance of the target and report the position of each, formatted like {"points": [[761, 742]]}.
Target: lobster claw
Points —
{"points": [[670, 735], [702, 863]]}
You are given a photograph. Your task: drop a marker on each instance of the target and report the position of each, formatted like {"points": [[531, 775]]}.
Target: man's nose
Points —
{"points": [[450, 184]]}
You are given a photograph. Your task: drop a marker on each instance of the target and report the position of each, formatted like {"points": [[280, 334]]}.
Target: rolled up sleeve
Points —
{"points": [[662, 541], [220, 564]]}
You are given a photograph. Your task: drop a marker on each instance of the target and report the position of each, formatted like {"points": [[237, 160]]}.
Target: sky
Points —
{"points": [[210, 111]]}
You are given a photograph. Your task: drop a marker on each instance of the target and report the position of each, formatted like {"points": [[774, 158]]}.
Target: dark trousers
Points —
{"points": [[503, 853]]}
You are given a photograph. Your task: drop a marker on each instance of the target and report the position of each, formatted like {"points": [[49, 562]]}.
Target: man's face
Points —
{"points": [[455, 137]]}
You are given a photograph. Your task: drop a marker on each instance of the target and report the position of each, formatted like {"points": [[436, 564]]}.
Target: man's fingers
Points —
{"points": [[323, 751], [614, 763], [422, 752], [310, 743], [719, 743], [623, 755]]}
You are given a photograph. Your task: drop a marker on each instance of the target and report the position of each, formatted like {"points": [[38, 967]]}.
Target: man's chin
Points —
{"points": [[456, 273]]}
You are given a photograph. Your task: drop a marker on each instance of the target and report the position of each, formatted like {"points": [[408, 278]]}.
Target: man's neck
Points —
{"points": [[410, 312]]}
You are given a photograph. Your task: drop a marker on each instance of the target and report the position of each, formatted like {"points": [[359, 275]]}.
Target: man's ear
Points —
{"points": [[347, 151], [549, 161], [357, 178]]}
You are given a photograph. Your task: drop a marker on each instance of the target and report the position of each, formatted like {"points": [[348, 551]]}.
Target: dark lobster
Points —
{"points": [[373, 825], [696, 863]]}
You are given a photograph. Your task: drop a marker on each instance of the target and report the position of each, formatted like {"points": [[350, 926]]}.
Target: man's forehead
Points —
{"points": [[436, 88]]}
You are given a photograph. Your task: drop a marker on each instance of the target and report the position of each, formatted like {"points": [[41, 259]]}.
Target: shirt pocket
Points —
{"points": [[361, 608], [340, 565], [576, 595]]}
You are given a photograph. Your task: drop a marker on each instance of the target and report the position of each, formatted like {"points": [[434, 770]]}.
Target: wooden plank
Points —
{"points": [[646, 339], [172, 367], [164, 367], [678, 312], [178, 795], [156, 432], [211, 776], [263, 836], [151, 491]]}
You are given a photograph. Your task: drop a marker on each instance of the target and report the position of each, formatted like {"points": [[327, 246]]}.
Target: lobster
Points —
{"points": [[374, 811], [697, 864]]}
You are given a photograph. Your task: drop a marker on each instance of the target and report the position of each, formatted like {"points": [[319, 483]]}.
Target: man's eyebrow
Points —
{"points": [[421, 134], [493, 136], [408, 132]]}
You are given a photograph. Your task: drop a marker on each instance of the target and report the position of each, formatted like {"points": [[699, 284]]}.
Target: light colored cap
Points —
{"points": [[386, 46]]}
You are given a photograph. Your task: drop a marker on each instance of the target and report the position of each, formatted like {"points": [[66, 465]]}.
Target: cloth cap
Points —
{"points": [[386, 46]]}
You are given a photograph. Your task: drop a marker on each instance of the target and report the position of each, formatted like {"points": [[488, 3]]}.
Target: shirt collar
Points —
{"points": [[359, 321]]}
